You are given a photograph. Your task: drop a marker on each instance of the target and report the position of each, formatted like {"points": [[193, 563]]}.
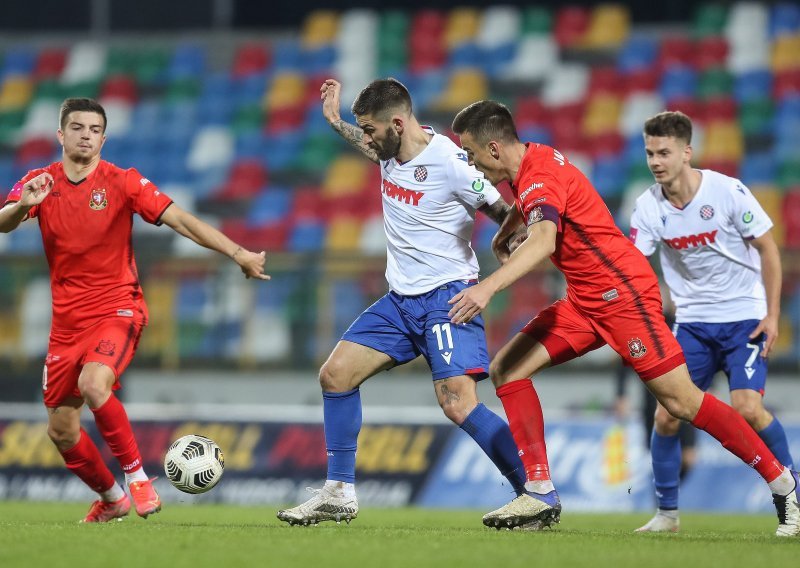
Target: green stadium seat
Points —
{"points": [[716, 82], [537, 20], [709, 20], [755, 117]]}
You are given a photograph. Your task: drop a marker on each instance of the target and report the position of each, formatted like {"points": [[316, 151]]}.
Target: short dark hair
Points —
{"points": [[80, 105], [485, 121], [672, 124], [381, 97]]}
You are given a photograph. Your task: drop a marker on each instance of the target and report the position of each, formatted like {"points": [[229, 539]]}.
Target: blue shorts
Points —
{"points": [[405, 327], [712, 347]]}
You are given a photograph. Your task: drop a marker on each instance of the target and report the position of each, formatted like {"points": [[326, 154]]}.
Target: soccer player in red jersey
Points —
{"points": [[612, 297], [85, 209]]}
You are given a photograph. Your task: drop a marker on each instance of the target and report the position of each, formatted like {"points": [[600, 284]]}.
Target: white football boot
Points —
{"points": [[661, 523], [325, 505], [788, 510]]}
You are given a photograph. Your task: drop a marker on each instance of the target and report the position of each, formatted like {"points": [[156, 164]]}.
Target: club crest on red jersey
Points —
{"points": [[98, 199], [637, 348], [105, 347], [535, 215]]}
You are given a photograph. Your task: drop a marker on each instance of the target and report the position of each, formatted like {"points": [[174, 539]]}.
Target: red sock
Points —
{"points": [[83, 459], [114, 426], [736, 436], [524, 412]]}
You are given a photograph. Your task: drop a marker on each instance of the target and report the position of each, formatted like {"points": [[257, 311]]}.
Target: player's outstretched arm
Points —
{"points": [[33, 193], [772, 275], [186, 224], [329, 94], [540, 244]]}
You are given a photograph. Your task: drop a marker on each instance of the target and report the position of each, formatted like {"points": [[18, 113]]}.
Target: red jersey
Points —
{"points": [[601, 266], [86, 231]]}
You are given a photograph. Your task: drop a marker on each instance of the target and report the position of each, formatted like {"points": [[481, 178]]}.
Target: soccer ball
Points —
{"points": [[194, 464]]}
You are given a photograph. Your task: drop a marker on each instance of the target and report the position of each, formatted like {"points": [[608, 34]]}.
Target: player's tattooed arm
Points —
{"points": [[497, 211], [355, 137]]}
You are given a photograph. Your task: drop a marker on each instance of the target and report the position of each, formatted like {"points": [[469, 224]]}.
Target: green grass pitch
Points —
{"points": [[48, 535]]}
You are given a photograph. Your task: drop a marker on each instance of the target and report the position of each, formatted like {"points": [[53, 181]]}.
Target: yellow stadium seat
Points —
{"points": [[344, 235], [319, 28], [786, 53], [16, 93], [723, 141], [159, 340], [347, 175], [609, 26], [288, 89], [602, 115], [9, 334], [771, 200], [461, 26], [465, 87]]}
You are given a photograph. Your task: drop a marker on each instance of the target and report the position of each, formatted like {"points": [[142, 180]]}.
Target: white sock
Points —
{"points": [[542, 487], [784, 484], [138, 475], [669, 513], [115, 493], [341, 488]]}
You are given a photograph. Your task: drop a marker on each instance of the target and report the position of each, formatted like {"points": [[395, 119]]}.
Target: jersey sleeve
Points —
{"points": [[747, 214], [469, 184], [145, 198], [643, 232], [542, 196], [16, 193]]}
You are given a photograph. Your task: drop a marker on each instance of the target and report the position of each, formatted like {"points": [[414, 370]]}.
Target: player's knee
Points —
{"points": [[455, 410], [498, 371], [751, 411], [332, 377], [94, 392], [64, 438], [666, 424]]}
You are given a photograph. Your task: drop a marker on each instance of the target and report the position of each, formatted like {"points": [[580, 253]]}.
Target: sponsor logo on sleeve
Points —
{"points": [[144, 181], [477, 185], [747, 217], [533, 186], [706, 212], [98, 199]]}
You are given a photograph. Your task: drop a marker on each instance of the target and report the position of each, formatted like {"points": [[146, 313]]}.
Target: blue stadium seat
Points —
{"points": [[637, 54], [18, 61], [466, 54], [678, 83], [270, 206], [634, 149], [251, 144], [306, 236], [609, 175], [282, 150], [540, 134], [753, 86], [191, 299], [188, 60], [759, 169], [287, 55], [496, 58], [784, 19], [251, 89], [319, 60]]}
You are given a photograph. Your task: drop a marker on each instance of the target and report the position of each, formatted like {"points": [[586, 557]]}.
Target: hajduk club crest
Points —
{"points": [[98, 199]]}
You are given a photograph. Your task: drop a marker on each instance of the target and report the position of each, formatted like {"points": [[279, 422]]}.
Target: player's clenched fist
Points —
{"points": [[35, 190]]}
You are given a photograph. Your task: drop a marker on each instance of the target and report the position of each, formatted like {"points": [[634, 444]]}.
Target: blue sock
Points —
{"points": [[494, 437], [774, 437], [666, 454], [342, 415]]}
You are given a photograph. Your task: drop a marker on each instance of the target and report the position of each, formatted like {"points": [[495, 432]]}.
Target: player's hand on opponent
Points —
{"points": [[251, 263], [329, 95], [470, 302], [35, 190], [503, 246], [769, 327]]}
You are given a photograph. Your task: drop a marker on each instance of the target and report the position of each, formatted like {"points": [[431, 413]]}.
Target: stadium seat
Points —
{"points": [[567, 84], [608, 28], [461, 26], [637, 53], [319, 28], [602, 115], [709, 19], [250, 58], [306, 236], [570, 26], [712, 52], [465, 87], [15, 93], [759, 169], [50, 64], [536, 57], [85, 62], [343, 235]]}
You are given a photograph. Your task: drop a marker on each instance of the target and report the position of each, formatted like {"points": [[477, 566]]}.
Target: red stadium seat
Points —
{"points": [[787, 84], [35, 149], [571, 25], [676, 51], [286, 118], [606, 80], [711, 52], [50, 64], [791, 218], [119, 87], [720, 109], [250, 58]]}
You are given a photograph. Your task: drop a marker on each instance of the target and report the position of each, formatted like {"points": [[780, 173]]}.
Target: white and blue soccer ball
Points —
{"points": [[194, 464]]}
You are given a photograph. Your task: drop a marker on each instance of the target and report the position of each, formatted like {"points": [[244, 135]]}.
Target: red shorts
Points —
{"points": [[636, 331], [112, 342]]}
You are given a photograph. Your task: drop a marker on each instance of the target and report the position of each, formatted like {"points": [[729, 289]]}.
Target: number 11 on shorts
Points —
{"points": [[443, 334]]}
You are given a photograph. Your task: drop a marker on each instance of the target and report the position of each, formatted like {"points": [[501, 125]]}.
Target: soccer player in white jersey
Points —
{"points": [[430, 195], [723, 271]]}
